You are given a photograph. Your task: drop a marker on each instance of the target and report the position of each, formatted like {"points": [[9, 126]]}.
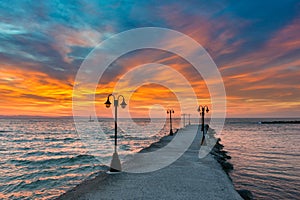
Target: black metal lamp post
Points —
{"points": [[170, 111], [201, 110], [115, 165], [189, 119]]}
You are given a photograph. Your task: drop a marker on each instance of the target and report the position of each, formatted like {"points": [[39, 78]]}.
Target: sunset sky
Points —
{"points": [[255, 45]]}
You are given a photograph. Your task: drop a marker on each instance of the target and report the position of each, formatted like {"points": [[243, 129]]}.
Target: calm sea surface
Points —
{"points": [[266, 157], [42, 158]]}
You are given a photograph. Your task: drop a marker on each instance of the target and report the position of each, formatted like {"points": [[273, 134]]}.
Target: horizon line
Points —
{"points": [[102, 117]]}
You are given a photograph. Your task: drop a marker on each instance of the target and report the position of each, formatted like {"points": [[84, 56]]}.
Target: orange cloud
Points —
{"points": [[148, 95], [33, 93]]}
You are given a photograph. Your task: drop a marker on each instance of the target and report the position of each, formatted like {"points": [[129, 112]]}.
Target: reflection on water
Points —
{"points": [[266, 157], [42, 158]]}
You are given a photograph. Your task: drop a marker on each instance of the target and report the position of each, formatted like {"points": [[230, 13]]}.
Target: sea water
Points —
{"points": [[266, 157], [43, 158]]}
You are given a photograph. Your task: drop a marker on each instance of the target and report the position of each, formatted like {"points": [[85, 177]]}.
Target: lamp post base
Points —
{"points": [[171, 132], [203, 143], [115, 165]]}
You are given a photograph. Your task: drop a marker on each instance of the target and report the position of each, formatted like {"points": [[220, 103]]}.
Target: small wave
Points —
{"points": [[25, 140], [134, 138], [54, 177], [119, 136], [61, 139], [34, 184], [85, 168], [67, 139], [56, 161], [44, 153], [35, 153], [24, 148], [82, 157], [125, 147]]}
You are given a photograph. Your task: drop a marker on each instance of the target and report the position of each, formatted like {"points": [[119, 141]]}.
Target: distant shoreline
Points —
{"points": [[280, 122]]}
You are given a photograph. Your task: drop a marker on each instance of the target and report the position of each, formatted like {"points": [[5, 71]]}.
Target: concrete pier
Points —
{"points": [[187, 178]]}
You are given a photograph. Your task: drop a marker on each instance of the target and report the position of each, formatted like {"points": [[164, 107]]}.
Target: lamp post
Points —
{"points": [[201, 110], [183, 119], [170, 111], [115, 165], [189, 119]]}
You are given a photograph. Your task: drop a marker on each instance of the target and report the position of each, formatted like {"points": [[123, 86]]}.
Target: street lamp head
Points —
{"points": [[123, 104], [107, 103], [198, 109], [170, 111], [207, 109]]}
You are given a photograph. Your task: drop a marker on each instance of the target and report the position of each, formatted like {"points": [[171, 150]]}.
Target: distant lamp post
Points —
{"points": [[115, 165], [183, 119], [189, 119], [170, 111], [202, 110]]}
